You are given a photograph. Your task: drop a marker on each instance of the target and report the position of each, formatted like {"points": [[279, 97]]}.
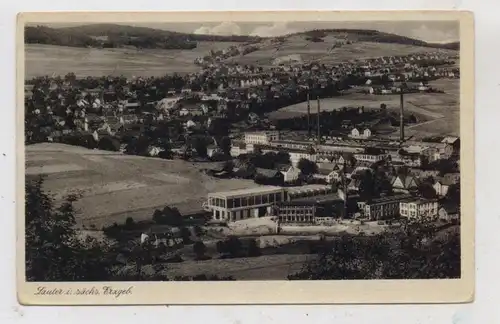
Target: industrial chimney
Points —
{"points": [[318, 124], [401, 119], [308, 116]]}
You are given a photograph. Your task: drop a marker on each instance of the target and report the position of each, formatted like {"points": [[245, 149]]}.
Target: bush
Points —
{"points": [[109, 144], [129, 223], [199, 249], [186, 235], [167, 155], [253, 248], [221, 247], [198, 231], [168, 216]]}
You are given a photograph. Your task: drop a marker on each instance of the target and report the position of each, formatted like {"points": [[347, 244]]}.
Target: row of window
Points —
{"points": [[296, 212], [296, 219], [246, 201]]}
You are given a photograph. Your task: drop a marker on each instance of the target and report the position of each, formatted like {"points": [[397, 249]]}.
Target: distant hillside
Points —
{"points": [[112, 35], [112, 30], [367, 35]]}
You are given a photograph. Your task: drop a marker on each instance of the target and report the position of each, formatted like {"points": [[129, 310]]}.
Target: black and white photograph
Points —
{"points": [[242, 150]]}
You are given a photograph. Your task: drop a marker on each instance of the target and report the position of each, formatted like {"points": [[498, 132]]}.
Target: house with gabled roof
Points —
{"points": [[404, 183]]}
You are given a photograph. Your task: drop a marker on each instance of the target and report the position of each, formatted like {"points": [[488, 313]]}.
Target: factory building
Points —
{"points": [[244, 203]]}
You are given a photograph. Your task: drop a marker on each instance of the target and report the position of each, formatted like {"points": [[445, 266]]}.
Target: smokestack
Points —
{"points": [[318, 125], [308, 116], [401, 119]]}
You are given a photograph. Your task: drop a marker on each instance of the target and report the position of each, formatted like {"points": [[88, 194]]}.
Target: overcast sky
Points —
{"points": [[430, 31]]}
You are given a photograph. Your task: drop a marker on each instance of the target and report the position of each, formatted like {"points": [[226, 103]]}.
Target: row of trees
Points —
{"points": [[413, 254]]}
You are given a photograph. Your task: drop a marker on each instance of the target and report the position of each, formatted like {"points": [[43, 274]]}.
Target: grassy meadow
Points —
{"points": [[59, 60], [440, 112], [326, 53], [114, 186]]}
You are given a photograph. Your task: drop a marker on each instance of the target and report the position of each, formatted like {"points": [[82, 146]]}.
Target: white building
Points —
{"points": [[237, 149], [290, 174], [244, 203], [442, 185], [355, 133], [296, 156], [419, 209], [263, 138], [369, 157]]}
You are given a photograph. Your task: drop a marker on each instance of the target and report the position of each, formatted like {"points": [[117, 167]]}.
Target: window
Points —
{"points": [[271, 198], [230, 203], [251, 201], [244, 202], [258, 200], [278, 197], [237, 202], [265, 199]]}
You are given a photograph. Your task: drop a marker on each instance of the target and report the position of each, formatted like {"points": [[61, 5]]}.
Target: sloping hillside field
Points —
{"points": [[60, 60], [440, 111], [329, 51], [115, 186]]}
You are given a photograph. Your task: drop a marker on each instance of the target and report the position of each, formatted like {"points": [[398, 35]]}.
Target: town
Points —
{"points": [[319, 148]]}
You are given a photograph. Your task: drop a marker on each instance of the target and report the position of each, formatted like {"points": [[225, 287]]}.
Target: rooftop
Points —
{"points": [[308, 188], [421, 201], [247, 191], [388, 199]]}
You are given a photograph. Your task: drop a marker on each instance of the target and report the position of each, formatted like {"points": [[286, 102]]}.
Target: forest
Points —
{"points": [[115, 36]]}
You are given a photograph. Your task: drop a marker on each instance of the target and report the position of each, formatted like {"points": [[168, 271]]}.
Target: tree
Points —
{"points": [[444, 166], [307, 167], [228, 166], [225, 145], [367, 186], [453, 194], [201, 147], [138, 146], [109, 144], [53, 250], [230, 247], [426, 190], [129, 223], [199, 249], [168, 216], [234, 246], [166, 154], [186, 235], [397, 255], [221, 247], [253, 248]]}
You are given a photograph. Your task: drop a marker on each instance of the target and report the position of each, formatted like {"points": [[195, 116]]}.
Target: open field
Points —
{"points": [[59, 60], [440, 110], [115, 186], [324, 53], [275, 267]]}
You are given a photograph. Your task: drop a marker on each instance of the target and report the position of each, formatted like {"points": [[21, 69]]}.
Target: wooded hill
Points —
{"points": [[113, 35], [375, 36]]}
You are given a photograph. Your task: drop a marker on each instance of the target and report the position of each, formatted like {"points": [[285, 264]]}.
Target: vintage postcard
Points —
{"points": [[245, 157]]}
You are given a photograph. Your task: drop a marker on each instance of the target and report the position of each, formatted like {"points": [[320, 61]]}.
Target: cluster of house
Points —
{"points": [[348, 160], [233, 89]]}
